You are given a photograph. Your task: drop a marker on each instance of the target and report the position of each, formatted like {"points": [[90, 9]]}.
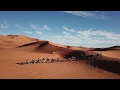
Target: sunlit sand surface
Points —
{"points": [[17, 49]]}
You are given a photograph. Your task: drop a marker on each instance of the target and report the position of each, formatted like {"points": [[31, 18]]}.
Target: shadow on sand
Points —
{"points": [[109, 65], [102, 62], [21, 63]]}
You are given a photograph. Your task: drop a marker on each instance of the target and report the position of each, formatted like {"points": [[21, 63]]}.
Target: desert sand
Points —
{"points": [[15, 49]]}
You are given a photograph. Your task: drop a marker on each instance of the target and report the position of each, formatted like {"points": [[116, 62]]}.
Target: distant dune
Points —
{"points": [[12, 41], [90, 63], [113, 51], [106, 49]]}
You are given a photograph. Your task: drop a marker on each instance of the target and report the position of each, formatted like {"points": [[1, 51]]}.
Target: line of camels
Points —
{"points": [[87, 58], [43, 60]]}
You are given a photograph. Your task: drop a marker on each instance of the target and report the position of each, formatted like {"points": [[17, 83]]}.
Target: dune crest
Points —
{"points": [[13, 41]]}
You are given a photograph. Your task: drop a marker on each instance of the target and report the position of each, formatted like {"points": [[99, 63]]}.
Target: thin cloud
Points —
{"points": [[27, 32], [4, 25], [98, 38], [67, 29], [33, 26], [66, 33], [36, 27], [100, 34], [45, 27], [87, 38], [39, 32], [88, 14], [19, 26]]}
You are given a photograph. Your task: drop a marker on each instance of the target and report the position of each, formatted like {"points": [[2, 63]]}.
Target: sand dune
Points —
{"points": [[17, 48], [50, 48], [113, 52], [12, 41], [62, 70], [106, 49], [45, 47]]}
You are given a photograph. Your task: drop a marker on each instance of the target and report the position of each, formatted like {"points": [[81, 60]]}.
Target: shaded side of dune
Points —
{"points": [[102, 62], [105, 49], [107, 64], [46, 47], [75, 53], [42, 43]]}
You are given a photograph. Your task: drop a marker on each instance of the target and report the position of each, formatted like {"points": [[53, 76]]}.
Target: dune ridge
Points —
{"points": [[12, 41]]}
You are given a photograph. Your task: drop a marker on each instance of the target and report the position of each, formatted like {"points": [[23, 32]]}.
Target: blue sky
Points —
{"points": [[76, 28]]}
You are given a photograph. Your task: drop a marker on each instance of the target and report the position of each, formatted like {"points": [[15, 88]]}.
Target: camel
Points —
{"points": [[47, 60], [62, 60], [43, 60], [57, 59], [27, 61], [37, 61], [32, 62], [52, 60]]}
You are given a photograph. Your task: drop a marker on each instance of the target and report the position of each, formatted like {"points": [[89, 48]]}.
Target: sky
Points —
{"points": [[75, 28]]}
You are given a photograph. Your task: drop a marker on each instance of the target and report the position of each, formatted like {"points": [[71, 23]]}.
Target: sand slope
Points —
{"points": [[17, 48], [113, 52], [12, 41]]}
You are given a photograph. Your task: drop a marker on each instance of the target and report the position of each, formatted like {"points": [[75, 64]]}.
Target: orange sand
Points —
{"points": [[10, 55]]}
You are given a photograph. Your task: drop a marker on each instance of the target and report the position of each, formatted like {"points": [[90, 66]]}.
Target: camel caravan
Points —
{"points": [[43, 60], [88, 58]]}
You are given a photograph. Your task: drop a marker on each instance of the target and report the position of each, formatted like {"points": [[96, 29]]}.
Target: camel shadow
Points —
{"points": [[21, 63]]}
